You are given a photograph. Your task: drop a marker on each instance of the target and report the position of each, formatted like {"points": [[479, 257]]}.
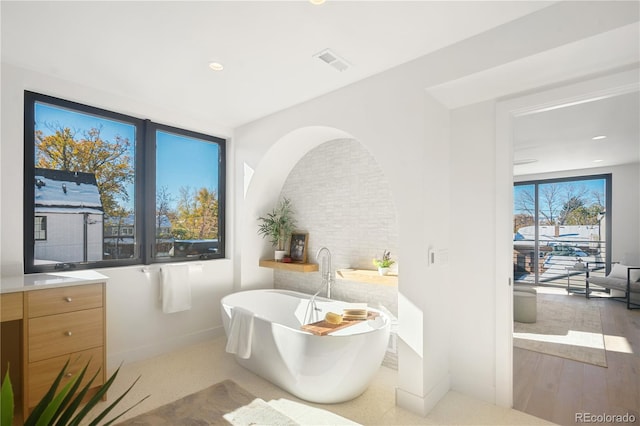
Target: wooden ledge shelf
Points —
{"points": [[294, 267], [367, 276]]}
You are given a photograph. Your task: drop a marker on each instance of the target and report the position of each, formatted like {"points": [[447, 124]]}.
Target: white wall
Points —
{"points": [[398, 141], [136, 327], [430, 175], [473, 208], [473, 236], [343, 200], [407, 132], [474, 205]]}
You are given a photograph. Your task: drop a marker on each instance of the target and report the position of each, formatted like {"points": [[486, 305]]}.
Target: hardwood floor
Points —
{"points": [[559, 390]]}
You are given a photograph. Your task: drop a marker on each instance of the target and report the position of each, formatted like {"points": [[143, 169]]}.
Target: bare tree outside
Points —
{"points": [[562, 203]]}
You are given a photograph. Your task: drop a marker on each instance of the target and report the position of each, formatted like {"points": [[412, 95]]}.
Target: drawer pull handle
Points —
{"points": [[68, 299], [68, 333]]}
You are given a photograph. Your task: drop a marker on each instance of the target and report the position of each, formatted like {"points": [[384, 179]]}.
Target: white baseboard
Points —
{"points": [[421, 405], [161, 347]]}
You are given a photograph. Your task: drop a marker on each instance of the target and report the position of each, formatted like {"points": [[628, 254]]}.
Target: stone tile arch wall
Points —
{"points": [[343, 200]]}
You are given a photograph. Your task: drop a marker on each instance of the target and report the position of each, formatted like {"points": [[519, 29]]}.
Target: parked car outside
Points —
{"points": [[563, 256], [194, 248]]}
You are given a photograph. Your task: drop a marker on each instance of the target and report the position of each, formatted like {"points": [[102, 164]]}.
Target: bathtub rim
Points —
{"points": [[307, 296]]}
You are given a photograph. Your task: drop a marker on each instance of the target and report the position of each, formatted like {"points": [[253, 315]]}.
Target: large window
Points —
{"points": [[188, 196], [107, 189], [557, 223]]}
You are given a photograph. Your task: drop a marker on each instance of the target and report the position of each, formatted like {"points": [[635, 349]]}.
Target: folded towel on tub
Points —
{"points": [[240, 332], [176, 289]]}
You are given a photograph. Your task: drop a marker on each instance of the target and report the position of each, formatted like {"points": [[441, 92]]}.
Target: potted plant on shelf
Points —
{"points": [[384, 263], [277, 225]]}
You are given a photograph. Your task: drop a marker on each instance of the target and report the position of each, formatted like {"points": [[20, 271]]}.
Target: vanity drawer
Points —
{"points": [[64, 299], [61, 334], [10, 306], [43, 373]]}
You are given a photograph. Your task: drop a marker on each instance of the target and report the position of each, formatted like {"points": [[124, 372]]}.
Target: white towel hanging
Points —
{"points": [[176, 289], [240, 332]]}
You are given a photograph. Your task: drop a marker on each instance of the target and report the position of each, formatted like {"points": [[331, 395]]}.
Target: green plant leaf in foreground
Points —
{"points": [[52, 408], [97, 397], [46, 399], [62, 405], [6, 401], [69, 406], [106, 411]]}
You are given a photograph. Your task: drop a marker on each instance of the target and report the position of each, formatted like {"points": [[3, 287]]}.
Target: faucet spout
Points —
{"points": [[325, 273]]}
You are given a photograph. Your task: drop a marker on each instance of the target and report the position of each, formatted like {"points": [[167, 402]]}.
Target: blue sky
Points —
{"points": [[181, 161], [47, 114]]}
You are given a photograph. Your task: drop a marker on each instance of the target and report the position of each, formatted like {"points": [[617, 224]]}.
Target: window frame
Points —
{"points": [[144, 186], [150, 193], [608, 179]]}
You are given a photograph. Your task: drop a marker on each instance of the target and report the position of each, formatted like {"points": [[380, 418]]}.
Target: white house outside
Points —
{"points": [[66, 203]]}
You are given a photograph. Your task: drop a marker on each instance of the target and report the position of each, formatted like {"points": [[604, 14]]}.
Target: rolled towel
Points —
{"points": [[240, 332]]}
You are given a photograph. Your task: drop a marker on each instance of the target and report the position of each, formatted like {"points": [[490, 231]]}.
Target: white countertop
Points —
{"points": [[49, 280]]}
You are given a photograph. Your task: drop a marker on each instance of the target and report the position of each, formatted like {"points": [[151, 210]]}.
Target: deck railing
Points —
{"points": [[554, 263]]}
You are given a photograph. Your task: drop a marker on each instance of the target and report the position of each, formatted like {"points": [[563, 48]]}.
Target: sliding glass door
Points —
{"points": [[560, 224]]}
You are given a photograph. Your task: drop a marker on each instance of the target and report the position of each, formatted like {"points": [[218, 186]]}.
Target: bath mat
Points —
{"points": [[258, 412], [206, 407], [307, 415], [564, 329]]}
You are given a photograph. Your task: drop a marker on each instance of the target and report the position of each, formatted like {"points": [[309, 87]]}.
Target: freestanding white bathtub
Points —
{"points": [[324, 369]]}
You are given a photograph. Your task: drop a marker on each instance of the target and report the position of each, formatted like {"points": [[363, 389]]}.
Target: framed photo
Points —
{"points": [[299, 241]]}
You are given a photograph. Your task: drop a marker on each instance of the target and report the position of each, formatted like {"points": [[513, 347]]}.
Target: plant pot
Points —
{"points": [[383, 271], [279, 255]]}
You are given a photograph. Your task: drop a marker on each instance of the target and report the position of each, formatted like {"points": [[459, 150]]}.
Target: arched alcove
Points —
{"points": [[341, 197], [267, 181], [343, 201], [262, 194]]}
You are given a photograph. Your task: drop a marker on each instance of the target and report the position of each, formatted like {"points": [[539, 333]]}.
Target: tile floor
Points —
{"points": [[171, 376]]}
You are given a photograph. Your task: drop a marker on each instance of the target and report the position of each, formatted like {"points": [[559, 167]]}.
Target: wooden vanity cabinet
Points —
{"points": [[11, 313], [11, 307], [60, 324]]}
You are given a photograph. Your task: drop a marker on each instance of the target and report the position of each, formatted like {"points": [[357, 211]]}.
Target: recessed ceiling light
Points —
{"points": [[317, 2], [597, 138], [216, 66]]}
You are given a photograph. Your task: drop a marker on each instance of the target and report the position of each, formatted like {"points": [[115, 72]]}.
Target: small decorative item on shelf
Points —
{"points": [[298, 250], [277, 226], [385, 263]]}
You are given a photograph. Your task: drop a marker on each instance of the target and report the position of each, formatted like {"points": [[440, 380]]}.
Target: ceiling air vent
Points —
{"points": [[330, 58]]}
